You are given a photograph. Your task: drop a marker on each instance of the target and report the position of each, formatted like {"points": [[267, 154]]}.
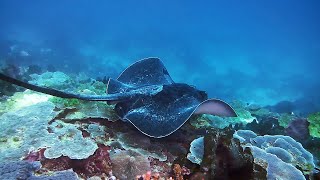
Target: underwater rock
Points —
{"points": [[298, 129], [51, 68], [264, 125], [33, 69], [261, 112], [128, 141], [224, 158], [18, 170], [282, 107], [284, 148], [24, 170]]}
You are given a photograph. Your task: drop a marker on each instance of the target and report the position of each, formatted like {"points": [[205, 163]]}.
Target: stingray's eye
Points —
{"points": [[120, 110]]}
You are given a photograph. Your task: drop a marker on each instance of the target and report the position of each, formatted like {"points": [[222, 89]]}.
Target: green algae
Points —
{"points": [[65, 102], [314, 126], [285, 119]]}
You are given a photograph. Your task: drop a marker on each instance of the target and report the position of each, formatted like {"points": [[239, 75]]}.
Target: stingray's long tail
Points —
{"points": [[57, 93]]}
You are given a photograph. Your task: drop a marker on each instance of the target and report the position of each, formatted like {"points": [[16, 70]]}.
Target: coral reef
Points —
{"points": [[264, 125], [225, 158], [128, 141], [65, 102], [285, 119], [8, 89], [283, 149], [64, 134], [298, 129], [30, 133], [97, 164], [177, 172], [26, 170], [207, 120], [17, 170], [275, 167], [69, 140], [196, 151], [69, 174], [22, 99], [33, 132], [57, 80], [314, 127], [128, 164]]}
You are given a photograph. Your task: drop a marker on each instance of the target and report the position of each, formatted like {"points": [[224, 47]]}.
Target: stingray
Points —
{"points": [[145, 95]]}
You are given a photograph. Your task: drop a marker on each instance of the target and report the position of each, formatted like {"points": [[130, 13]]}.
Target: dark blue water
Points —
{"points": [[259, 52]]}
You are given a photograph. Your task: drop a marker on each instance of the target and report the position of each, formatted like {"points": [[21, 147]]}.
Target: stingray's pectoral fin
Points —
{"points": [[215, 107], [115, 86]]}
